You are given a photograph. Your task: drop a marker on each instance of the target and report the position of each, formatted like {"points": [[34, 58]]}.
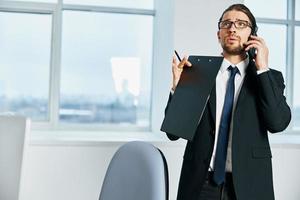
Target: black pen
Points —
{"points": [[177, 55]]}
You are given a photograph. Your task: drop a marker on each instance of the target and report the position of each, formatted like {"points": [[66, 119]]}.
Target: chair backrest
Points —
{"points": [[137, 171], [13, 131]]}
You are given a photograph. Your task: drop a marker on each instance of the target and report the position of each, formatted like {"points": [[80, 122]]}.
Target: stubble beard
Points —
{"points": [[236, 50]]}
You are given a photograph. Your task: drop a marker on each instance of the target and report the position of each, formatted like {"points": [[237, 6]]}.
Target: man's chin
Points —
{"points": [[234, 50]]}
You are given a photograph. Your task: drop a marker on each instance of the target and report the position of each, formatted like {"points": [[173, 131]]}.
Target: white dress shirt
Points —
{"points": [[221, 84]]}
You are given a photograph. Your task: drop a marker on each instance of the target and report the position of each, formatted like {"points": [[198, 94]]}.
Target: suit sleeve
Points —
{"points": [[171, 137], [273, 106]]}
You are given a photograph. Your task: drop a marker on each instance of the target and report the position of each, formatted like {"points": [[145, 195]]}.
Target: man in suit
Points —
{"points": [[229, 156]]}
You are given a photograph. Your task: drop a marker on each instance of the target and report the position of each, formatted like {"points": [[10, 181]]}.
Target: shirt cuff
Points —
{"points": [[262, 71]]}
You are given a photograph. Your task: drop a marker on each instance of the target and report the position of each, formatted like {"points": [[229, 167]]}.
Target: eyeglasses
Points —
{"points": [[239, 24]]}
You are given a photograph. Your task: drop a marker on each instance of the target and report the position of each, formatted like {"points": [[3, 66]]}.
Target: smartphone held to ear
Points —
{"points": [[252, 51]]}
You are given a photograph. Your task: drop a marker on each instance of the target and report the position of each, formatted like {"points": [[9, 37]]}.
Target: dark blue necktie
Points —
{"points": [[221, 153]]}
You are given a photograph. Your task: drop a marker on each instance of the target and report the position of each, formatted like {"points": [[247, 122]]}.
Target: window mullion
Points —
{"points": [[55, 66], [290, 54], [26, 7], [105, 9]]}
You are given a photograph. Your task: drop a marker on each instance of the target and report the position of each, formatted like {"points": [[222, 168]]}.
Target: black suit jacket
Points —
{"points": [[261, 107]]}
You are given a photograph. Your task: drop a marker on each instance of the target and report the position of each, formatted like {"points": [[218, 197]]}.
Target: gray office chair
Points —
{"points": [[137, 171], [13, 134]]}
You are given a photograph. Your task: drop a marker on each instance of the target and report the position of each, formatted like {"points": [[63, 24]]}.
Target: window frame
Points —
{"points": [[162, 48], [290, 22]]}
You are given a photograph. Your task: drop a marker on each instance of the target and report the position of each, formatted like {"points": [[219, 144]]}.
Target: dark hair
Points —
{"points": [[244, 9]]}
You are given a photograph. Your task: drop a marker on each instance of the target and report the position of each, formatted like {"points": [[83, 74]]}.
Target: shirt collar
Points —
{"points": [[242, 66]]}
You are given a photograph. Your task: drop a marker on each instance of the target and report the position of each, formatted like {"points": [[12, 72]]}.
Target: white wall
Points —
{"points": [[67, 170], [75, 172], [196, 26], [286, 163]]}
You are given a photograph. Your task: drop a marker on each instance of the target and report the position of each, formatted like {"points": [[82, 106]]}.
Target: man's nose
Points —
{"points": [[232, 28]]}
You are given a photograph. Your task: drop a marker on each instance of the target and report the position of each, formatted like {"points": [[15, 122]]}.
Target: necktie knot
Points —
{"points": [[233, 71]]}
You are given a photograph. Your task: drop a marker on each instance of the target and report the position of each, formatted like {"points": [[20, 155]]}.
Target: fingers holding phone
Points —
{"points": [[262, 51]]}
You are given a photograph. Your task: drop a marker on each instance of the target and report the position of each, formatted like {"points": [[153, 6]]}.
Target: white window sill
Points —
{"points": [[287, 140], [87, 138]]}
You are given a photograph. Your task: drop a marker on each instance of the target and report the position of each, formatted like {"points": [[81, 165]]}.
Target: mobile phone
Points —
{"points": [[252, 51]]}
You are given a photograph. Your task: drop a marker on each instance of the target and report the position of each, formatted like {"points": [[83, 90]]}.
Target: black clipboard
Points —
{"points": [[191, 96]]}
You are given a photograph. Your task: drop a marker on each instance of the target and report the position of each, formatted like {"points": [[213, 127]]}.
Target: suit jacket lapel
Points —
{"points": [[249, 79], [212, 105]]}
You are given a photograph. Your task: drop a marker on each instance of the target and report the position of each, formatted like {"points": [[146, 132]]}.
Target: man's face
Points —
{"points": [[232, 39]]}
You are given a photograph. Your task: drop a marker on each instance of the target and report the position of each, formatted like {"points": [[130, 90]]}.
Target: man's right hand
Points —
{"points": [[177, 69]]}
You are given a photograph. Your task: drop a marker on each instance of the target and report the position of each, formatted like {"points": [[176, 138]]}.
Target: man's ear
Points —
{"points": [[218, 34]]}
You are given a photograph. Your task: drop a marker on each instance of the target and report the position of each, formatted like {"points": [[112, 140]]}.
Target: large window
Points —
{"points": [[296, 99], [106, 68], [141, 4], [264, 9], [271, 33], [24, 73], [297, 14], [280, 27], [77, 62]]}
